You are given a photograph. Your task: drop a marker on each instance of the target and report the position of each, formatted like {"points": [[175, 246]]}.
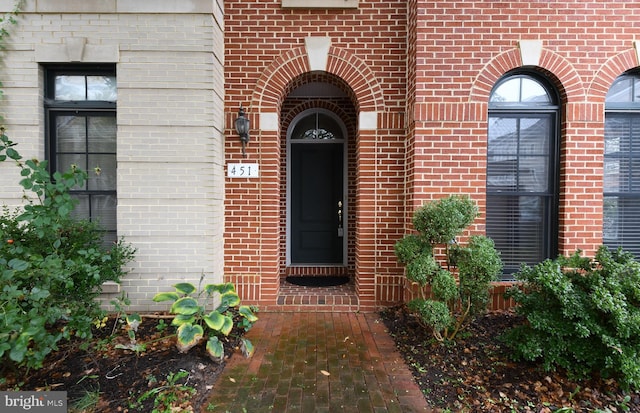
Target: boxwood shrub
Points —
{"points": [[582, 315]]}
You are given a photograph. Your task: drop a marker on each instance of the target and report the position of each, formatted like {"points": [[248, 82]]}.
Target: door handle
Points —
{"points": [[340, 229]]}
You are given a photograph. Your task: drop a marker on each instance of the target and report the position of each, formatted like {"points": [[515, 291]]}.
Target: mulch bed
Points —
{"points": [[100, 377], [476, 374]]}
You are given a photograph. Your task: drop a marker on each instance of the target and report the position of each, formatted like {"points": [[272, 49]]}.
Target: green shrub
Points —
{"points": [[51, 266], [582, 315], [446, 304]]}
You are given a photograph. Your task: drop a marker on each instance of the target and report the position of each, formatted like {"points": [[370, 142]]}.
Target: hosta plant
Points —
{"points": [[195, 323]]}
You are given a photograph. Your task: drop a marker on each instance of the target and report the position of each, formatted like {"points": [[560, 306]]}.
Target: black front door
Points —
{"points": [[317, 205]]}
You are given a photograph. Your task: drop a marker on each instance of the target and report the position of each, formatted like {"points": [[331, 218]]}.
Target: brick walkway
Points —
{"points": [[318, 362]]}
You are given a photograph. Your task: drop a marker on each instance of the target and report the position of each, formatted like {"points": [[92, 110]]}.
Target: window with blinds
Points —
{"points": [[621, 207], [522, 171]]}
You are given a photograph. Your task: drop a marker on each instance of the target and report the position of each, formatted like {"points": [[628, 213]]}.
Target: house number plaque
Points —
{"points": [[243, 170]]}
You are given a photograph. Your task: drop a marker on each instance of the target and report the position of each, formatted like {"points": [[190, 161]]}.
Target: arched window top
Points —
{"points": [[317, 125], [519, 90], [625, 90]]}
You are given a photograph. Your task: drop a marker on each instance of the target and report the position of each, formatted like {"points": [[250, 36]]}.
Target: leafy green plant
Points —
{"points": [[192, 317], [446, 302], [582, 315], [161, 326], [51, 265], [169, 396], [132, 322]]}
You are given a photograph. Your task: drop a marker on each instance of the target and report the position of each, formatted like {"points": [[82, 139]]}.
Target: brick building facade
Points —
{"points": [[401, 98]]}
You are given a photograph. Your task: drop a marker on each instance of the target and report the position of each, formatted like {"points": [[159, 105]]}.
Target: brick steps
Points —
{"points": [[319, 299]]}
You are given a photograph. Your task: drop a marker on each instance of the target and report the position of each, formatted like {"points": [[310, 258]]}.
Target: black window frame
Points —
{"points": [[520, 110], [54, 108], [628, 235]]}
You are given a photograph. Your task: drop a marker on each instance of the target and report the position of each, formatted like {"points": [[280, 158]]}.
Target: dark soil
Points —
{"points": [[100, 377], [476, 374], [472, 374]]}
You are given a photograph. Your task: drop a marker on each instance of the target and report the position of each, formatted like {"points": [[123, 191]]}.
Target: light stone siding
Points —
{"points": [[169, 56]]}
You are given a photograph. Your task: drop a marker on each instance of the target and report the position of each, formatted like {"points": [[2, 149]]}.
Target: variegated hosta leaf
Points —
{"points": [[247, 347], [230, 299], [215, 349], [188, 336], [185, 288], [219, 288], [170, 296], [181, 319], [228, 325], [214, 320], [227, 300], [246, 312], [185, 305]]}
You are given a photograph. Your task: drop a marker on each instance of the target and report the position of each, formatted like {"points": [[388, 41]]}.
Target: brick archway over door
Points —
{"points": [[274, 85]]}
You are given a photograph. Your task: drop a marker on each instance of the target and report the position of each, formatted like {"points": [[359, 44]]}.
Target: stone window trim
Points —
{"points": [[320, 4]]}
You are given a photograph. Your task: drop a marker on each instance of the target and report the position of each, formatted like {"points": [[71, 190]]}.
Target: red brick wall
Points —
{"points": [[427, 68], [265, 60], [465, 47]]}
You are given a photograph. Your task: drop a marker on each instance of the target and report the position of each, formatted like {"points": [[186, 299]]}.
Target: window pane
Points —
{"points": [[102, 88], [622, 223], [622, 153], [97, 208], [533, 92], [328, 124], [520, 90], [516, 225], [533, 174], [303, 126], [102, 173], [70, 88], [503, 136], [102, 134], [534, 135], [502, 173], [621, 91], [634, 175], [103, 211], [81, 211], [64, 162], [612, 178], [317, 126], [71, 133], [617, 131]]}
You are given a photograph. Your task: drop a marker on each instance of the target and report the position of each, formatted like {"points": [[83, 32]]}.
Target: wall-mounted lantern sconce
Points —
{"points": [[242, 127]]}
